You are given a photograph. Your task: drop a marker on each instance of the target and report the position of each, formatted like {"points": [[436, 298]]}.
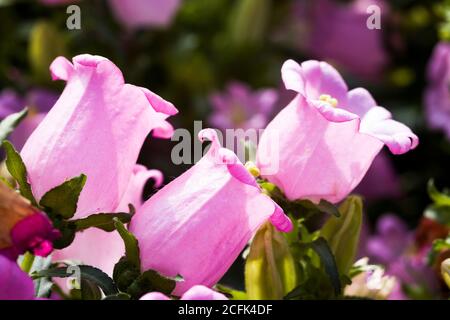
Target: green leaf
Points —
{"points": [[439, 198], [62, 200], [323, 206], [8, 124], [232, 294], [125, 273], [342, 233], [151, 281], [328, 207], [119, 296], [321, 247], [18, 171], [103, 221], [438, 246], [87, 273], [131, 243], [440, 214], [89, 290]]}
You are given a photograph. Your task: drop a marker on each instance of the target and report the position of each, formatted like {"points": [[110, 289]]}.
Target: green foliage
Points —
{"points": [[342, 233], [131, 244], [439, 211], [18, 171], [270, 269], [90, 275], [8, 124], [62, 200]]}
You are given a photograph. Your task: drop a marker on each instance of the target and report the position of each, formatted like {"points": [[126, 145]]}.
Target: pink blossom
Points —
{"points": [[240, 107], [337, 32], [14, 283], [145, 13], [197, 225], [97, 127], [327, 136], [437, 95], [38, 101], [197, 292], [381, 181]]}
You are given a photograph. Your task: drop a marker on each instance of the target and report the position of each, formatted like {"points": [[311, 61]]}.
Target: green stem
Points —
{"points": [[27, 263]]}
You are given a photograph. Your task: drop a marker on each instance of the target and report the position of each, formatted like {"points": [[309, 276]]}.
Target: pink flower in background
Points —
{"points": [[337, 32], [197, 292], [327, 136], [97, 127], [14, 283], [381, 180], [197, 225], [437, 93], [392, 245], [145, 13], [38, 101], [240, 107]]}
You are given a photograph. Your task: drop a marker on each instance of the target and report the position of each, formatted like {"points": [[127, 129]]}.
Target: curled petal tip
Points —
{"points": [[164, 131], [61, 69], [280, 220]]}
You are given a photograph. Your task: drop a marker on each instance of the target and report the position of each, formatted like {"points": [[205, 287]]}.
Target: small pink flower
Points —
{"points": [[327, 136], [197, 225], [145, 13], [240, 107], [337, 32], [197, 292], [14, 283], [437, 93]]}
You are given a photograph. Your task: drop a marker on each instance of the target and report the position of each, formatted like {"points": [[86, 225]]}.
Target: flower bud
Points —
{"points": [[270, 271], [22, 227], [342, 233]]}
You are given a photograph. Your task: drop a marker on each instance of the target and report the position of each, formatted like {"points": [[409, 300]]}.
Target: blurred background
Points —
{"points": [[219, 61]]}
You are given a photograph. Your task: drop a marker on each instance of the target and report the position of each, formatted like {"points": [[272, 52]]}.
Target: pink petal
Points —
{"points": [[14, 283], [200, 292], [154, 296], [133, 194], [398, 137]]}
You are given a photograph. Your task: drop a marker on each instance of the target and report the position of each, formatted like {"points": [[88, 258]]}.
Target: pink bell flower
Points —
{"points": [[328, 136], [97, 127], [197, 292], [197, 225]]}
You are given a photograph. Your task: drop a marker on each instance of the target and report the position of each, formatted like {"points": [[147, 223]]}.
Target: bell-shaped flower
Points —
{"points": [[14, 283], [321, 145], [197, 292], [97, 127], [197, 225]]}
